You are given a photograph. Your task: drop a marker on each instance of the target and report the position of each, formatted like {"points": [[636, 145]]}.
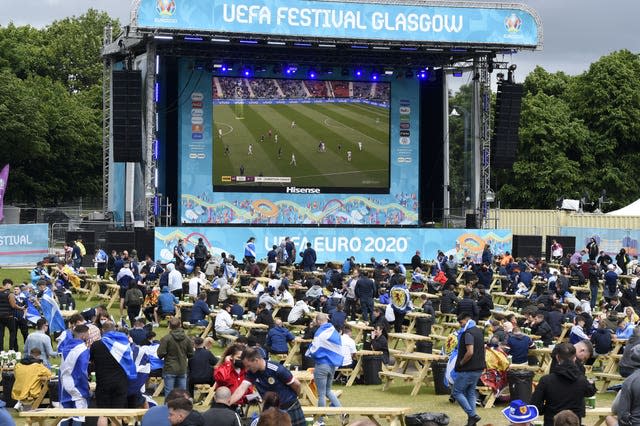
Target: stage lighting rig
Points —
{"points": [[510, 72]]}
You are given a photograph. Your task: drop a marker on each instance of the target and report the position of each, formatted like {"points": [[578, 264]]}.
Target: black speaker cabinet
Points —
{"points": [[527, 245], [126, 108]]}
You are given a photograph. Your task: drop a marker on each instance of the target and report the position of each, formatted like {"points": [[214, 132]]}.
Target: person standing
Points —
{"points": [[175, 280], [112, 379], [39, 339], [200, 253], [308, 259], [290, 247], [565, 388], [74, 380], [7, 318], [365, 290], [250, 250], [268, 376], [416, 261], [326, 351], [469, 366], [593, 249], [101, 259], [175, 349]]}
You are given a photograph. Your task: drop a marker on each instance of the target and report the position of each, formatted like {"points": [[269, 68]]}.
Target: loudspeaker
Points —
{"points": [[126, 107], [527, 245], [145, 242], [120, 240], [471, 221], [504, 145], [568, 245], [88, 240]]}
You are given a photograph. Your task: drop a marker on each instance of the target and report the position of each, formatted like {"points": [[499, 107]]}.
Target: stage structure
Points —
{"points": [[273, 112]]}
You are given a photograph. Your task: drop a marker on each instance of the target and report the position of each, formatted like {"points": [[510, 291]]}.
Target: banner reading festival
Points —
{"points": [[336, 244], [23, 244], [420, 23]]}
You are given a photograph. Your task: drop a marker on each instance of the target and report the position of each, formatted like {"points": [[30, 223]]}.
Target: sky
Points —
{"points": [[576, 32]]}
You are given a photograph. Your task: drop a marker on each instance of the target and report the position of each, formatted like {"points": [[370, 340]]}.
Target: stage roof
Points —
{"points": [[382, 33]]}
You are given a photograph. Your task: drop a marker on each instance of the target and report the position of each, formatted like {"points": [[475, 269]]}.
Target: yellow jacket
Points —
{"points": [[29, 381]]}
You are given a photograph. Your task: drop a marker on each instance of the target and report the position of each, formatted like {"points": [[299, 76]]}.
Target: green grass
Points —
{"points": [[359, 395], [334, 124]]}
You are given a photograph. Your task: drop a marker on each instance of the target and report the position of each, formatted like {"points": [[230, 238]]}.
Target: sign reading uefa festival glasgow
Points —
{"points": [[483, 24]]}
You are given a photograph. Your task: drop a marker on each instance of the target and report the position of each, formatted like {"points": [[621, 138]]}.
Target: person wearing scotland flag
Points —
{"points": [[114, 366], [50, 308], [326, 350], [400, 302], [74, 380]]}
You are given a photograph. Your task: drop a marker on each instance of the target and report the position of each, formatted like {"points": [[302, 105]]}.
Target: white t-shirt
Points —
{"points": [[348, 348], [223, 321], [298, 310], [194, 286], [175, 280]]}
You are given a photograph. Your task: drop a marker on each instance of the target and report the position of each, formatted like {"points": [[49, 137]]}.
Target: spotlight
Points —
{"points": [[327, 71], [358, 73], [423, 74], [374, 77], [511, 69], [312, 73], [291, 69], [246, 71]]}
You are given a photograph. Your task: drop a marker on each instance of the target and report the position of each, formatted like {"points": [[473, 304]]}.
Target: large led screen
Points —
{"points": [[300, 136]]}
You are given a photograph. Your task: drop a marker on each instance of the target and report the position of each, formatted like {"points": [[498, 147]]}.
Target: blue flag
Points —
{"points": [[120, 348], [32, 314], [74, 379], [326, 347], [51, 311]]}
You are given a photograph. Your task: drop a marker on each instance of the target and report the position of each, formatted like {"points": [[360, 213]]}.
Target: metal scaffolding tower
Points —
{"points": [[106, 118], [482, 73]]}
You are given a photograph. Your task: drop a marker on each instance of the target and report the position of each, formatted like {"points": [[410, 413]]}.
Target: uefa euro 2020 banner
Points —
{"points": [[512, 25], [23, 244], [336, 244]]}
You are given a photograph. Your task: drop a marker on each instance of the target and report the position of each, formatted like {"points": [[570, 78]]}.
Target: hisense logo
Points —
{"points": [[295, 190]]}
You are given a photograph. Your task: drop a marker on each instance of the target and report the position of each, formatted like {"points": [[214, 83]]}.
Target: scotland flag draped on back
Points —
{"points": [[326, 347], [120, 348], [51, 311], [74, 381], [32, 315]]}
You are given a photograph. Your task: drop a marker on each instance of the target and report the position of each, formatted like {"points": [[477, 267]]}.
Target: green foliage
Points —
{"points": [[50, 109], [577, 135]]}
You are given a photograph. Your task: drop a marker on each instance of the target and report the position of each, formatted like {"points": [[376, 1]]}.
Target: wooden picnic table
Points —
{"points": [[543, 355], [209, 328], [248, 326], [94, 286], [409, 340], [421, 360], [295, 349], [279, 306], [394, 416], [357, 370], [243, 298], [57, 414], [362, 327], [413, 318], [68, 313], [601, 412], [508, 298], [308, 392]]}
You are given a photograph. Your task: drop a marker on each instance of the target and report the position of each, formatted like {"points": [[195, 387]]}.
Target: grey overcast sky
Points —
{"points": [[576, 32]]}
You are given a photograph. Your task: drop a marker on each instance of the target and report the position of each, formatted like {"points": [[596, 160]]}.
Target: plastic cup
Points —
{"points": [[590, 402]]}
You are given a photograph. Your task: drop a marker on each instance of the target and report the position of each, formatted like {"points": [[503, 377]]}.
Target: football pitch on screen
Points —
{"points": [[301, 128]]}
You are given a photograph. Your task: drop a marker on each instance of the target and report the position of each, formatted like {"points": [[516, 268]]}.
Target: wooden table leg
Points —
{"points": [[292, 353], [355, 372]]}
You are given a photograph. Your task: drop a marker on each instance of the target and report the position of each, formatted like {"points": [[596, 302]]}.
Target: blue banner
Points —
{"points": [[609, 240], [336, 244], [356, 21], [23, 244]]}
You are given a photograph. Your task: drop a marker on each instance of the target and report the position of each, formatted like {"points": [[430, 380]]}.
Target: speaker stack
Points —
{"points": [[504, 145], [126, 107]]}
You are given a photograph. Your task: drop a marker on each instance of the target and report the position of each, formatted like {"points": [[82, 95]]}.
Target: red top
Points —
{"points": [[226, 375]]}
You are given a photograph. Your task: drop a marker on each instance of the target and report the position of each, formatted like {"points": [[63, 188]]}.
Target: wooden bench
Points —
{"points": [[114, 414], [601, 412], [394, 416]]}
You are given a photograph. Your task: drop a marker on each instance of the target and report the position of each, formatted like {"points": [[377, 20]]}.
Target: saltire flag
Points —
{"points": [[32, 314], [450, 372], [74, 376], [143, 368], [326, 345], [152, 352], [4, 178], [51, 311], [120, 348]]}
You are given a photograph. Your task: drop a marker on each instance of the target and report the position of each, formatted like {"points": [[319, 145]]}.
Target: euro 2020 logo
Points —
{"points": [[166, 7], [513, 23]]}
